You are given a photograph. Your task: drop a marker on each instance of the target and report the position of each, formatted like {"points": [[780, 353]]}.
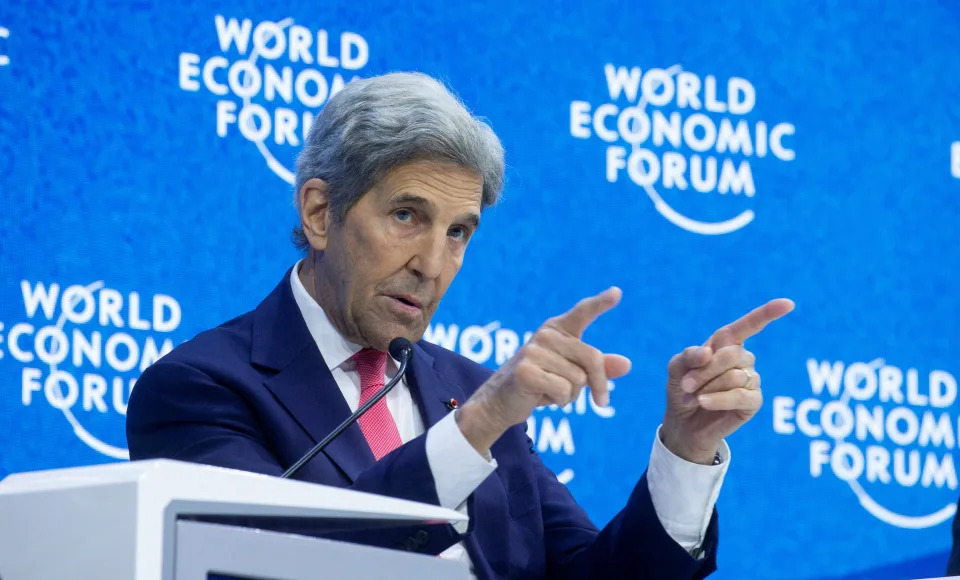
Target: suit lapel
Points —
{"points": [[431, 391], [304, 384], [309, 392]]}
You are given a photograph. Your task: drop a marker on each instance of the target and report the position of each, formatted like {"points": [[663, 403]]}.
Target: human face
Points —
{"points": [[385, 268]]}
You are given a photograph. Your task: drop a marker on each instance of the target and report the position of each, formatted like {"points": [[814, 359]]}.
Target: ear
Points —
{"points": [[315, 215]]}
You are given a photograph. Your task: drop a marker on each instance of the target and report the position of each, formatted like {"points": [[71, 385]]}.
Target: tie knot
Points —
{"points": [[371, 366]]}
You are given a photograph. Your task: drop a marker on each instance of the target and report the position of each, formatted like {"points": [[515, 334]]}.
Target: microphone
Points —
{"points": [[400, 349]]}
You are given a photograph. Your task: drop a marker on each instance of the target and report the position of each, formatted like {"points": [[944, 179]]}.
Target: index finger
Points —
{"points": [[738, 331], [577, 319]]}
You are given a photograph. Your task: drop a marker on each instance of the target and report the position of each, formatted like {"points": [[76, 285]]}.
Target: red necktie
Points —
{"points": [[377, 424]]}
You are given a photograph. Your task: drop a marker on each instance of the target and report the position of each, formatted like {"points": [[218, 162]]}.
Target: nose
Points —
{"points": [[428, 261]]}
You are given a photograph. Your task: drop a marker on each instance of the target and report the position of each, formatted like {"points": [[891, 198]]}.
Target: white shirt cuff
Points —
{"points": [[456, 466], [684, 493]]}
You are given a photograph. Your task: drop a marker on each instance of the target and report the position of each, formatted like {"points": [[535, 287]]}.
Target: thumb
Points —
{"points": [[616, 365]]}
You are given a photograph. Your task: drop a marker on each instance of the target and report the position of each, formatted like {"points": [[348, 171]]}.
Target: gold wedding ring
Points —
{"points": [[749, 375]]}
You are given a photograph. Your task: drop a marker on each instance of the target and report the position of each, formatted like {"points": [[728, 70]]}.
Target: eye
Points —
{"points": [[403, 215], [458, 233]]}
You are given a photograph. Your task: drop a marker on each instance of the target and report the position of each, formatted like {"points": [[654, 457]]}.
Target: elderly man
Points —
{"points": [[391, 186]]}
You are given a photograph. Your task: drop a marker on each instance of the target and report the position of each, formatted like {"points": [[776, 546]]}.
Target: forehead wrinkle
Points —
{"points": [[415, 190], [452, 186], [446, 176], [413, 198]]}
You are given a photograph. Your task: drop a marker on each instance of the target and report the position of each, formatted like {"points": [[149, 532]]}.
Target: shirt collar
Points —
{"points": [[334, 348]]}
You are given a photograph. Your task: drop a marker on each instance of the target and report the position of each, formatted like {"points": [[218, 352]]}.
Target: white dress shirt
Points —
{"points": [[683, 493]]}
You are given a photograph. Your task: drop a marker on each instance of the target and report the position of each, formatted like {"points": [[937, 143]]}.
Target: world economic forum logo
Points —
{"points": [[681, 138], [79, 349], [889, 433], [271, 79]]}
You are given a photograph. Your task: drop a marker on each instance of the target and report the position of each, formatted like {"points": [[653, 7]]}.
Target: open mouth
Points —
{"points": [[408, 301]]}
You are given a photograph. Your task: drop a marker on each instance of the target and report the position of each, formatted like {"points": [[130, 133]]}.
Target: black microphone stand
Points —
{"points": [[397, 346]]}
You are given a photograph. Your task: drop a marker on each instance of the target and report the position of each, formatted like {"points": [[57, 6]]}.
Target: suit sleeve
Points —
{"points": [[179, 412], [633, 545]]}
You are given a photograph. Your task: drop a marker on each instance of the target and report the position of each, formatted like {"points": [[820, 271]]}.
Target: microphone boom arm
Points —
{"points": [[404, 361]]}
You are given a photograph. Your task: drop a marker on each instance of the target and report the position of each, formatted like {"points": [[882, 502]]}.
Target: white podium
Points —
{"points": [[168, 520]]}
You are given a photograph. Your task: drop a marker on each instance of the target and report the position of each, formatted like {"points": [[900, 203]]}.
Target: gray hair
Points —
{"points": [[376, 124]]}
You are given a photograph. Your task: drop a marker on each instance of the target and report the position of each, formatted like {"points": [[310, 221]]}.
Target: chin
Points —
{"points": [[413, 335], [387, 333]]}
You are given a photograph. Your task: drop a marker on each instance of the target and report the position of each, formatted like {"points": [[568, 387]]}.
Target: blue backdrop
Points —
{"points": [[705, 157]]}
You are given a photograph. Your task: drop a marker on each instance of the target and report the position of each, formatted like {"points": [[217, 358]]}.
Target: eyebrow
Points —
{"points": [[416, 200]]}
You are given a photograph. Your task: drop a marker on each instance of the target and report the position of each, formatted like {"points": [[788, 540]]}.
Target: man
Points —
{"points": [[390, 187]]}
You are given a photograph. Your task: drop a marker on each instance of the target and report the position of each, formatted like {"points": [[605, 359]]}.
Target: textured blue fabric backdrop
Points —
{"points": [[703, 156]]}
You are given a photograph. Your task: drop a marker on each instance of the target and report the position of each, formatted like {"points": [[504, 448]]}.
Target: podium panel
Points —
{"points": [[214, 551], [167, 520]]}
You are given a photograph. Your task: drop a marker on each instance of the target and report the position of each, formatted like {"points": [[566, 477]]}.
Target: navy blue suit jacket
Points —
{"points": [[255, 394]]}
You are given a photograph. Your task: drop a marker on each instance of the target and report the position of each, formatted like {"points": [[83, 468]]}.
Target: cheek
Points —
{"points": [[456, 257], [450, 271], [370, 252], [388, 251]]}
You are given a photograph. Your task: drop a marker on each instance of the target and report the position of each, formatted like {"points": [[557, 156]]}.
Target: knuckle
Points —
{"points": [[596, 358], [532, 351], [550, 326], [542, 334], [559, 394], [723, 332], [688, 356], [580, 378], [675, 360], [730, 354], [526, 371]]}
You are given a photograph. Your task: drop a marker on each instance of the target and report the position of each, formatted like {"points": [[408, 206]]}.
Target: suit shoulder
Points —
{"points": [[228, 342], [214, 359]]}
